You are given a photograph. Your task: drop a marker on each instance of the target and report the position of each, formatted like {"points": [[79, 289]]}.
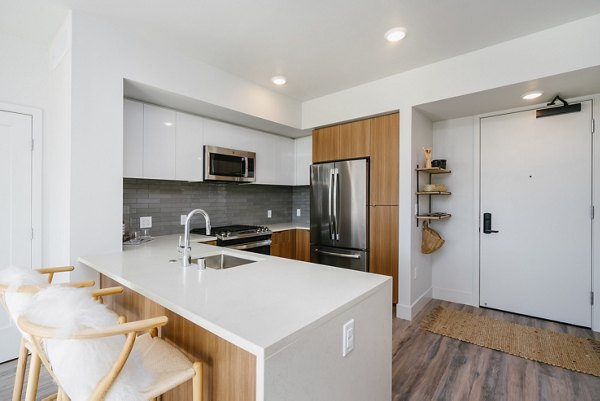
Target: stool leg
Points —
{"points": [[34, 377], [197, 390], [20, 375]]}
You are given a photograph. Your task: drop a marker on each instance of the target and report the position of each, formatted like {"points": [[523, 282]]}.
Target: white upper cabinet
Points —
{"points": [[274, 160], [189, 148], [159, 142], [133, 139], [303, 149]]}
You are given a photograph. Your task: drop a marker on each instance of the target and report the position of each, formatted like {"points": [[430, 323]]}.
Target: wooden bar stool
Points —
{"points": [[27, 290], [167, 366]]}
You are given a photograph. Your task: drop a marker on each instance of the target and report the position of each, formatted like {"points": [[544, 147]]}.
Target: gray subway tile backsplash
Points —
{"points": [[225, 203]]}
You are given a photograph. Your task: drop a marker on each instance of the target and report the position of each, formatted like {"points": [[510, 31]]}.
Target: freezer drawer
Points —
{"points": [[345, 258]]}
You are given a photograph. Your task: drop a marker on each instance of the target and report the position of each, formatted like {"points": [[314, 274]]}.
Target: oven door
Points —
{"points": [[262, 246]]}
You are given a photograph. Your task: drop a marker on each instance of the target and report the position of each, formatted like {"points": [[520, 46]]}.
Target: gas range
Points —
{"points": [[235, 231], [244, 237]]}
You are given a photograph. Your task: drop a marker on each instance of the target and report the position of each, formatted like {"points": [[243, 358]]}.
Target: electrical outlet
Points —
{"points": [[348, 337], [298, 212], [269, 214], [146, 222], [182, 219]]}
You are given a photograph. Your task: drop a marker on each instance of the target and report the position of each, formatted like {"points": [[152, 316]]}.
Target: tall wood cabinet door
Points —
{"points": [[385, 142], [355, 139], [326, 144], [383, 243]]}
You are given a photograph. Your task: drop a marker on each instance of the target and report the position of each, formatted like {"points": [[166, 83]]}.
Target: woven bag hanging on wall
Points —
{"points": [[431, 240]]}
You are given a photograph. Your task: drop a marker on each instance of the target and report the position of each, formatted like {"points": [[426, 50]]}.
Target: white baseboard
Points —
{"points": [[459, 297], [407, 312]]}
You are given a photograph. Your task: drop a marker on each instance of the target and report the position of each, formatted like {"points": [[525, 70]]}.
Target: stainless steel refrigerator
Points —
{"points": [[339, 214]]}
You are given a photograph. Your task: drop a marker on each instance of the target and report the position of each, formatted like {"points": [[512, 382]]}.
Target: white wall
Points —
{"points": [[519, 60], [57, 147], [453, 265]]}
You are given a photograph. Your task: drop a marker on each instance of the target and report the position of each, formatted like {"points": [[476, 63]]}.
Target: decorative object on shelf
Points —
{"points": [[431, 240], [427, 154], [441, 163], [435, 188]]}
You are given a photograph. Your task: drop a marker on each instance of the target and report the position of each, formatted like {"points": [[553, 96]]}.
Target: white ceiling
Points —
{"points": [[321, 46]]}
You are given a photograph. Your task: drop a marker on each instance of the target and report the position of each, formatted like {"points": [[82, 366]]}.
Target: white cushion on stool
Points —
{"points": [[168, 366]]}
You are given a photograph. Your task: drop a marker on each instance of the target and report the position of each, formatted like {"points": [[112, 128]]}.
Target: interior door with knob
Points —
{"points": [[536, 216], [15, 210]]}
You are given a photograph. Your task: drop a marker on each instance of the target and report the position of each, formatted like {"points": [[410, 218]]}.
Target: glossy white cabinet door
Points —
{"points": [[159, 142], [303, 149], [189, 157], [133, 139], [224, 135]]}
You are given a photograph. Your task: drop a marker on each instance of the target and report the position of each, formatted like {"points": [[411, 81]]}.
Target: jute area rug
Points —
{"points": [[556, 349]]}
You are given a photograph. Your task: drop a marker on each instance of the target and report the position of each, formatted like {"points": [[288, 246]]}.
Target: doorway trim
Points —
{"points": [[36, 175], [595, 279]]}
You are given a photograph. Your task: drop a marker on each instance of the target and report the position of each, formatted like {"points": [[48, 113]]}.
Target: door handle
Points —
{"points": [[331, 234], [335, 202], [487, 224], [339, 255]]}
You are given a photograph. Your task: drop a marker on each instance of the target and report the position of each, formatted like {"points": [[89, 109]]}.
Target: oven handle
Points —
{"points": [[250, 245], [339, 255]]}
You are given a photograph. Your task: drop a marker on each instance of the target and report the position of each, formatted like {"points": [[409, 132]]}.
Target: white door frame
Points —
{"points": [[595, 195], [36, 176]]}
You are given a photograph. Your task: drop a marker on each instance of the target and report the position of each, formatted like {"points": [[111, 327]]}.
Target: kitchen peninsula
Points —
{"points": [[271, 329]]}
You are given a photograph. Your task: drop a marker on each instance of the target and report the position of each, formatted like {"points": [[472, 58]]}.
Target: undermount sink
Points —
{"points": [[223, 261]]}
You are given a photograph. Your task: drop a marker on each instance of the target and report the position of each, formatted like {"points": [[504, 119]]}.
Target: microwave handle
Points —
{"points": [[246, 163]]}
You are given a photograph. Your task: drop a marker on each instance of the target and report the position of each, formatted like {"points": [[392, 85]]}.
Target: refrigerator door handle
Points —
{"points": [[331, 234], [336, 175], [340, 255]]}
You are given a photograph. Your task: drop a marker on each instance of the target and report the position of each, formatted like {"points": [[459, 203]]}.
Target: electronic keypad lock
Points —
{"points": [[487, 224]]}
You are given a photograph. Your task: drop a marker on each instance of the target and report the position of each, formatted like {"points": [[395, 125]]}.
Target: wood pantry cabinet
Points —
{"points": [[377, 138], [385, 156], [383, 245], [340, 142]]}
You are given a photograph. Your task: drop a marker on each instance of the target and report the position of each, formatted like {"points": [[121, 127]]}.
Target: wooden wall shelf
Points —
{"points": [[433, 170], [430, 215], [434, 216], [433, 193]]}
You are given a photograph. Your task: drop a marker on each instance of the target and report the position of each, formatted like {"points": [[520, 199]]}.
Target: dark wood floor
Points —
{"points": [[428, 366]]}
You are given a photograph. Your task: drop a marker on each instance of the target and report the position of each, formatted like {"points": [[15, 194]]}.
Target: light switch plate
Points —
{"points": [[182, 219], [348, 337], [268, 214], [146, 222], [298, 212]]}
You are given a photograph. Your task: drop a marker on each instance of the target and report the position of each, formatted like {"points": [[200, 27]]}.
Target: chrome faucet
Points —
{"points": [[187, 250]]}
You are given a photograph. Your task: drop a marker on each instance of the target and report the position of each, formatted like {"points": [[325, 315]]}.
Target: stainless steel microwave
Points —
{"points": [[222, 164]]}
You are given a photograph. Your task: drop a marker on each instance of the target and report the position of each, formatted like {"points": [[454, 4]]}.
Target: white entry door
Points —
{"points": [[536, 182], [15, 210]]}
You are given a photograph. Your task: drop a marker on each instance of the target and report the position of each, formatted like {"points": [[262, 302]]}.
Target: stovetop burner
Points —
{"points": [[234, 231]]}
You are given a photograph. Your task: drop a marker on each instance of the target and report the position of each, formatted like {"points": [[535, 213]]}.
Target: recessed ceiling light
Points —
{"points": [[168, 123], [395, 34], [279, 80], [532, 95]]}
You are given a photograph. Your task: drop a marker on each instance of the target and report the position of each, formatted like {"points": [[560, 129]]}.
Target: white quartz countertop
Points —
{"points": [[287, 226], [260, 307]]}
